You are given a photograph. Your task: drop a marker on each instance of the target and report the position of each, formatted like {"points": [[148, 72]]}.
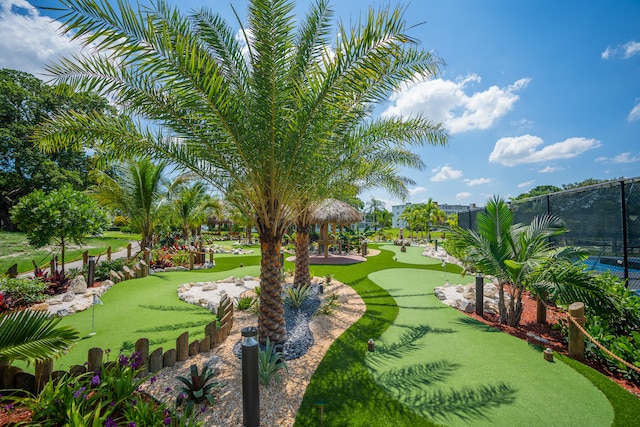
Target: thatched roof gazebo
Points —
{"points": [[333, 211]]}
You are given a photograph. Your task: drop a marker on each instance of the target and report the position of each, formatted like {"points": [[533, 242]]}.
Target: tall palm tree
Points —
{"points": [[373, 207], [263, 119], [33, 335], [510, 252], [136, 188]]}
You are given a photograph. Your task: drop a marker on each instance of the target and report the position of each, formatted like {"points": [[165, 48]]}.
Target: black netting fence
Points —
{"points": [[603, 219]]}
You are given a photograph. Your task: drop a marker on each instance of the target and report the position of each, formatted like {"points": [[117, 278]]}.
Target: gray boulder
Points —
{"points": [[78, 285]]}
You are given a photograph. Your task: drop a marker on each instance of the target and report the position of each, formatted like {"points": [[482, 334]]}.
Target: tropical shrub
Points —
{"points": [[121, 221], [106, 397], [328, 307], [270, 363], [246, 302], [57, 282], [103, 268], [22, 292], [295, 296]]}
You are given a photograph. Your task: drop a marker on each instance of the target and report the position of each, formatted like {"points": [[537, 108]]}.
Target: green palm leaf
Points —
{"points": [[33, 335]]}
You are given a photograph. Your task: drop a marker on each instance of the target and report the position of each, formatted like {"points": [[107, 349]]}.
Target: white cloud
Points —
{"points": [[28, 40], [607, 52], [526, 184], [518, 150], [549, 169], [478, 181], [446, 101], [463, 195], [445, 173], [522, 124], [634, 114], [417, 190], [627, 50], [620, 158], [631, 48]]}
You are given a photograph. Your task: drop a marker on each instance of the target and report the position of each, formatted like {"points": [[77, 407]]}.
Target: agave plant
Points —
{"points": [[197, 388], [270, 362], [295, 296]]}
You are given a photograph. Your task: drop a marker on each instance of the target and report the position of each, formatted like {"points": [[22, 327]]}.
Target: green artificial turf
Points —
{"points": [[342, 381], [413, 255], [148, 308], [625, 405], [459, 372]]}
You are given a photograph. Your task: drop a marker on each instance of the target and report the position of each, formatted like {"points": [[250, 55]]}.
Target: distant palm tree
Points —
{"points": [[33, 335], [264, 120], [136, 188], [189, 200]]}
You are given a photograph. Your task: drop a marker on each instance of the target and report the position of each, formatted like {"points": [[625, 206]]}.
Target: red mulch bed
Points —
{"points": [[528, 325]]}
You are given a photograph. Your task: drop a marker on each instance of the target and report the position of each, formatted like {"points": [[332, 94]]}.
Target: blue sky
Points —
{"points": [[532, 93]]}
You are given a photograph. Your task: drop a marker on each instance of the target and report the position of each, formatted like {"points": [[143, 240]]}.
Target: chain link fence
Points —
{"points": [[604, 219]]}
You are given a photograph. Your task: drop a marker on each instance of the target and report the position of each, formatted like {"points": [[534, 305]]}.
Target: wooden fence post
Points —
{"points": [[109, 253], [142, 347], [155, 360], [576, 337], [129, 251], [94, 359], [43, 373], [191, 260], [182, 347], [12, 272], [85, 258], [211, 255]]}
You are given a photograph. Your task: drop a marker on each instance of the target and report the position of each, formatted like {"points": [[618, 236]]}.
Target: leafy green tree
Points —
{"points": [[136, 188], [189, 200], [264, 120], [24, 102], [61, 216], [373, 207], [540, 190], [33, 335], [587, 182], [510, 252]]}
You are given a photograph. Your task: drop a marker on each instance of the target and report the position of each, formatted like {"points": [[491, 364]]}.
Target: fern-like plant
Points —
{"points": [[197, 388], [295, 296], [270, 362]]}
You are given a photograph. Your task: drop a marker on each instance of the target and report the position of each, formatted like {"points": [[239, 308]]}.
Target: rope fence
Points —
{"points": [[600, 346]]}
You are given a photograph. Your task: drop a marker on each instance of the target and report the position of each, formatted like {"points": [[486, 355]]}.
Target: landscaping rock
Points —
{"points": [[78, 285], [463, 297], [68, 297]]}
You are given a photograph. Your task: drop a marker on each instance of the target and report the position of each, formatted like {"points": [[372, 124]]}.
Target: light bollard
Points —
{"points": [[479, 295], [250, 389]]}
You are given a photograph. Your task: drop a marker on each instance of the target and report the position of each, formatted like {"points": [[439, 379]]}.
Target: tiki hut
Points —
{"points": [[336, 212]]}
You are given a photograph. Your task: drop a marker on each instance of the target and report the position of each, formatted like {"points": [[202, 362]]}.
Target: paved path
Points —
{"points": [[135, 247]]}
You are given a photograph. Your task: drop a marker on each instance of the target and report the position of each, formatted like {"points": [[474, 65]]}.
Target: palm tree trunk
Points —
{"points": [[541, 308], [271, 318], [502, 307], [302, 275]]}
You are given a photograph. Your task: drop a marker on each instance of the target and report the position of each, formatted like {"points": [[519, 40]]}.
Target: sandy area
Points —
{"points": [[278, 403]]}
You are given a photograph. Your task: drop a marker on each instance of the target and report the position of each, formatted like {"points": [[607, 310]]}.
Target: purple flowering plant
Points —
{"points": [[109, 397]]}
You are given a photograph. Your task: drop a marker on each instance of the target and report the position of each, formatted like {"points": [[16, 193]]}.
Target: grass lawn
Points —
{"points": [[14, 248]]}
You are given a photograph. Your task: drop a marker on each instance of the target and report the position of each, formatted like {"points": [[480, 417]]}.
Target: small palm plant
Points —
{"points": [[295, 296], [197, 388]]}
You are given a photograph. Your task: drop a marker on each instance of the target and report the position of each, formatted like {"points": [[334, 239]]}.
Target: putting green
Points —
{"points": [[457, 371], [144, 308], [413, 255]]}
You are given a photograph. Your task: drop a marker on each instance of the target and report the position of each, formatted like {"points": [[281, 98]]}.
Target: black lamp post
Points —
{"points": [[250, 389]]}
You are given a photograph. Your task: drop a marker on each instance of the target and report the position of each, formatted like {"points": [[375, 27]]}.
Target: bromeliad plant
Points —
{"points": [[197, 388]]}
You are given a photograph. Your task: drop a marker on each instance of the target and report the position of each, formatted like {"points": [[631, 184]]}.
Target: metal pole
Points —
{"points": [[250, 389], [91, 271], [479, 295]]}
